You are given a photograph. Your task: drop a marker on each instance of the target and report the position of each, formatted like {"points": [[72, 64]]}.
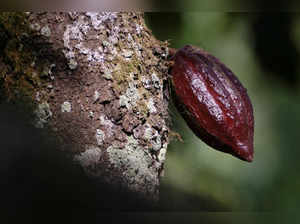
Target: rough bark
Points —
{"points": [[96, 80]]}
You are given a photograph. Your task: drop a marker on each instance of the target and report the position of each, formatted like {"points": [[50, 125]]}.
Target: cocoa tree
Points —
{"points": [[98, 83]]}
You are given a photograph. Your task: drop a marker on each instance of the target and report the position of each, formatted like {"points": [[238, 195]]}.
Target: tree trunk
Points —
{"points": [[98, 81]]}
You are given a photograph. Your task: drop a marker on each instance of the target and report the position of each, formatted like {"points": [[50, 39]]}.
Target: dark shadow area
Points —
{"points": [[175, 200], [165, 25], [41, 183], [274, 47]]}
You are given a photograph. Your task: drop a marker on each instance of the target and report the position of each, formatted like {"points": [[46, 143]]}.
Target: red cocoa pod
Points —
{"points": [[213, 102]]}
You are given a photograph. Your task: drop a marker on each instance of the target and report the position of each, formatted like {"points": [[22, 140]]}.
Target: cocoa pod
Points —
{"points": [[213, 102]]}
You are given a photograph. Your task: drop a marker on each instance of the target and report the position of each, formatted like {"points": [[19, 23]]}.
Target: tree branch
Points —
{"points": [[97, 80]]}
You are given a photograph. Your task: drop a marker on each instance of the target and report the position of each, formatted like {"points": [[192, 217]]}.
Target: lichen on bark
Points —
{"points": [[102, 77]]}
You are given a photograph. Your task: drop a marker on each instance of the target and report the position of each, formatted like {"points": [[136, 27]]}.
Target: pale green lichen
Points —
{"points": [[80, 30], [152, 136], [104, 121], [135, 161], [156, 81], [96, 96], [66, 107], [107, 75], [146, 82], [43, 114], [35, 26], [131, 97], [98, 19], [127, 53], [156, 141], [72, 64], [46, 71], [89, 159], [148, 132], [151, 106], [108, 125], [100, 136], [123, 101], [45, 31], [91, 114], [162, 153]]}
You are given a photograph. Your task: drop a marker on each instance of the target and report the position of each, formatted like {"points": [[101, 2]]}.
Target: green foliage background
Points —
{"points": [[202, 179]]}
